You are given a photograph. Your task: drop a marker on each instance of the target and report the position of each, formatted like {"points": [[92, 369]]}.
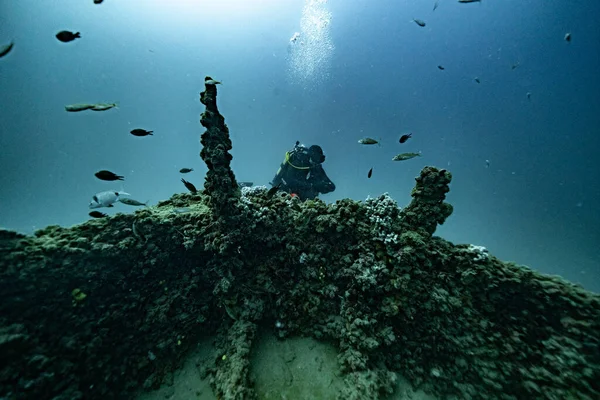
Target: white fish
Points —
{"points": [[212, 82], [106, 199]]}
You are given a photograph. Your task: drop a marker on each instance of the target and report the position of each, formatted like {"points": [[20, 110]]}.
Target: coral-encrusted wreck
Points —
{"points": [[102, 309]]}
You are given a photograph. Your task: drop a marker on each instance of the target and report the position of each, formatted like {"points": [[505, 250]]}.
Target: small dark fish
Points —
{"points": [[186, 170], [98, 1], [515, 65], [66, 36], [108, 176], [6, 48], [469, 1], [131, 202], [404, 138], [477, 80], [97, 214], [419, 22], [487, 163], [568, 37], [273, 190], [189, 186], [370, 173], [528, 96], [440, 67], [141, 132], [436, 4]]}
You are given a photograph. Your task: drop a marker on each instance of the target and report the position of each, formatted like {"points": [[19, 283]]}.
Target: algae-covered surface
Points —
{"points": [[358, 299]]}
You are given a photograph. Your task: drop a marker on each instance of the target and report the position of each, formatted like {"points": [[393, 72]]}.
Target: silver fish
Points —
{"points": [[106, 199], [405, 156], [78, 107], [182, 210], [368, 140], [103, 106], [131, 202]]}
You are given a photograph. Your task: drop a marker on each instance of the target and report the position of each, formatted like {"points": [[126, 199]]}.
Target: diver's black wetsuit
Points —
{"points": [[301, 173]]}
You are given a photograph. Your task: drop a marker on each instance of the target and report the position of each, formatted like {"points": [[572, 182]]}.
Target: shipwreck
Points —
{"points": [[105, 308]]}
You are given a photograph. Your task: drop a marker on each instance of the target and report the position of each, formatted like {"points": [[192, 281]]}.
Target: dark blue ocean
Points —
{"points": [[514, 114]]}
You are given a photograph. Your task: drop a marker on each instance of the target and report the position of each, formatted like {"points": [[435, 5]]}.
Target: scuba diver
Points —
{"points": [[301, 173]]}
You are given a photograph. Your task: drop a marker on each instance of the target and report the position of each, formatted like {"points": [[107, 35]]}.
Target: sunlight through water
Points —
{"points": [[310, 49]]}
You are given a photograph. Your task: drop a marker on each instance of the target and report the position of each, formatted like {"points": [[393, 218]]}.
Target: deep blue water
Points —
{"points": [[360, 68]]}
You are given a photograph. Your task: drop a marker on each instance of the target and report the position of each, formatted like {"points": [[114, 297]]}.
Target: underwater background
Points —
{"points": [[526, 178]]}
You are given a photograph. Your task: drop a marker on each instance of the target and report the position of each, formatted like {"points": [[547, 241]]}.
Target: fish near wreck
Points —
{"points": [[97, 214], [189, 186], [106, 199], [273, 190], [132, 202]]}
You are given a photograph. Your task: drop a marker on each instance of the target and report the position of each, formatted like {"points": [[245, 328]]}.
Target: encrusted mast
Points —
{"points": [[220, 184]]}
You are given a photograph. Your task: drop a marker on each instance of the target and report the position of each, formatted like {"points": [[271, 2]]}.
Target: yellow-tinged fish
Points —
{"points": [[78, 107], [406, 156]]}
